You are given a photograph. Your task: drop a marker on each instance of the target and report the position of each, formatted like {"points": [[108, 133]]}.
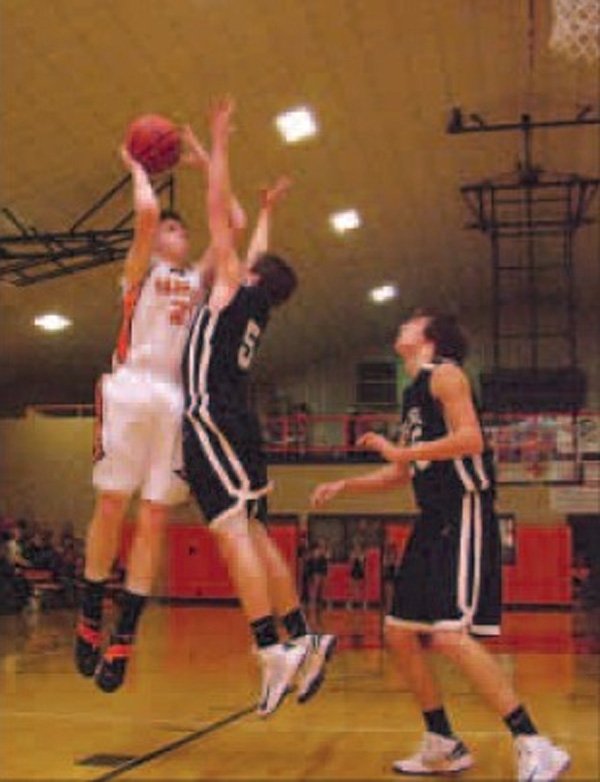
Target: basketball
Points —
{"points": [[154, 141]]}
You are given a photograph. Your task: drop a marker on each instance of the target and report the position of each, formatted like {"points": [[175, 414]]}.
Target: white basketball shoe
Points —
{"points": [[319, 650], [280, 664], [436, 755], [539, 760]]}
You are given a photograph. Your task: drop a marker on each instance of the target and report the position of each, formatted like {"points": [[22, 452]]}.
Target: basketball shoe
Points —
{"points": [[539, 760], [319, 650], [436, 755], [111, 670], [87, 646], [280, 663]]}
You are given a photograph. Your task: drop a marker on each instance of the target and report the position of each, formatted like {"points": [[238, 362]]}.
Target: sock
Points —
{"points": [[295, 623], [519, 722], [436, 721], [265, 631], [91, 602], [132, 606]]}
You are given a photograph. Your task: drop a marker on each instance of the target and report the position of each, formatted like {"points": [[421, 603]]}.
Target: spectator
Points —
{"points": [[388, 572], [299, 421], [67, 571], [15, 592], [358, 575], [317, 567], [16, 545], [40, 552]]}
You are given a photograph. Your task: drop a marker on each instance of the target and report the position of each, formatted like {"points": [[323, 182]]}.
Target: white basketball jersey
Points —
{"points": [[156, 316]]}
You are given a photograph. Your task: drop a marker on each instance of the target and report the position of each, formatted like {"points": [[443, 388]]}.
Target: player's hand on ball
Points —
{"points": [[130, 163], [325, 492]]}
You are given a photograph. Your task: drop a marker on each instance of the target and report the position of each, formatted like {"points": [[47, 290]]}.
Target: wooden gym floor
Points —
{"points": [[186, 711]]}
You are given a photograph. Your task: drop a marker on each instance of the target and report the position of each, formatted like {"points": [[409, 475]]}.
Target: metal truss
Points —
{"points": [[531, 217], [29, 256]]}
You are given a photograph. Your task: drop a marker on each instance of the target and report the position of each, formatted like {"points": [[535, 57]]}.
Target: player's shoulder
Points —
{"points": [[448, 376], [255, 297]]}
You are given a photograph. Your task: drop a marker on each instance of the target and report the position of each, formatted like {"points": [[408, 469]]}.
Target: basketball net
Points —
{"points": [[576, 29]]}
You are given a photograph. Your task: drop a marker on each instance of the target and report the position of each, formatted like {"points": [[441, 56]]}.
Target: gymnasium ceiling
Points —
{"points": [[381, 76]]}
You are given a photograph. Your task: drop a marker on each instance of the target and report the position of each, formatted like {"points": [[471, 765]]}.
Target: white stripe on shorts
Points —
{"points": [[471, 530]]}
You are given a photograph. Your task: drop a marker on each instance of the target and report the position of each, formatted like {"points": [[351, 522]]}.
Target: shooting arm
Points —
{"points": [[146, 218]]}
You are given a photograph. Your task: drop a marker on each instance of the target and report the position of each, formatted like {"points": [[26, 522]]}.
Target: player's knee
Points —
{"points": [[153, 514], [111, 506], [446, 642], [400, 639], [231, 528]]}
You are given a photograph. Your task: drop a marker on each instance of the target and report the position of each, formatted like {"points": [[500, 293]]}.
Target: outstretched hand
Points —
{"points": [[269, 196], [195, 155], [221, 113], [325, 492]]}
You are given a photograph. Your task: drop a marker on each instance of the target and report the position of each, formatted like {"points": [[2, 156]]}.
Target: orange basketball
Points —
{"points": [[154, 141]]}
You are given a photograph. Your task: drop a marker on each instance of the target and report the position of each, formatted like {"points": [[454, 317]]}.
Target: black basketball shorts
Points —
{"points": [[451, 574], [225, 465]]}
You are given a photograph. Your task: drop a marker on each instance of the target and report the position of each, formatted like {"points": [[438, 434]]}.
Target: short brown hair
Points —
{"points": [[276, 277], [171, 214], [446, 333]]}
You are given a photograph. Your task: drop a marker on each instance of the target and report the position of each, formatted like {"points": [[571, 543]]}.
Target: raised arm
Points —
{"points": [[227, 267], [196, 156], [269, 197], [146, 217]]}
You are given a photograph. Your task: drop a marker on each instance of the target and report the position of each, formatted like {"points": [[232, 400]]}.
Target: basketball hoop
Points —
{"points": [[576, 29]]}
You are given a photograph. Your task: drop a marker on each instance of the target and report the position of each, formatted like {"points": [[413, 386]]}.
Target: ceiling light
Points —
{"points": [[344, 221], [52, 322], [296, 124], [383, 293]]}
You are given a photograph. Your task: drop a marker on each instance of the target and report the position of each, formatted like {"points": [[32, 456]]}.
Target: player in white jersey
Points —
{"points": [[138, 432]]}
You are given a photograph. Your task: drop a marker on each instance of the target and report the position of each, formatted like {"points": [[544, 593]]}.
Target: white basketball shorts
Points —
{"points": [[139, 437]]}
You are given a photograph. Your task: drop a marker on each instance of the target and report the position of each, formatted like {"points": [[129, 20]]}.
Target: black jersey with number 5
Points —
{"points": [[219, 352]]}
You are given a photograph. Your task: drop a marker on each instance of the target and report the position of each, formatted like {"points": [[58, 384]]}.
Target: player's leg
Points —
{"points": [[537, 757], [158, 437], [285, 600], [407, 647], [245, 568], [102, 545], [142, 567], [120, 456], [425, 595], [441, 751], [280, 663]]}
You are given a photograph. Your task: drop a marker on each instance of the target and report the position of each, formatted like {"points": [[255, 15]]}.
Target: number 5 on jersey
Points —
{"points": [[248, 346]]}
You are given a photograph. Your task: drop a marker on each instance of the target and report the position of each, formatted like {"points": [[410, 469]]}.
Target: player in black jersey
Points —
{"points": [[447, 587], [224, 460]]}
